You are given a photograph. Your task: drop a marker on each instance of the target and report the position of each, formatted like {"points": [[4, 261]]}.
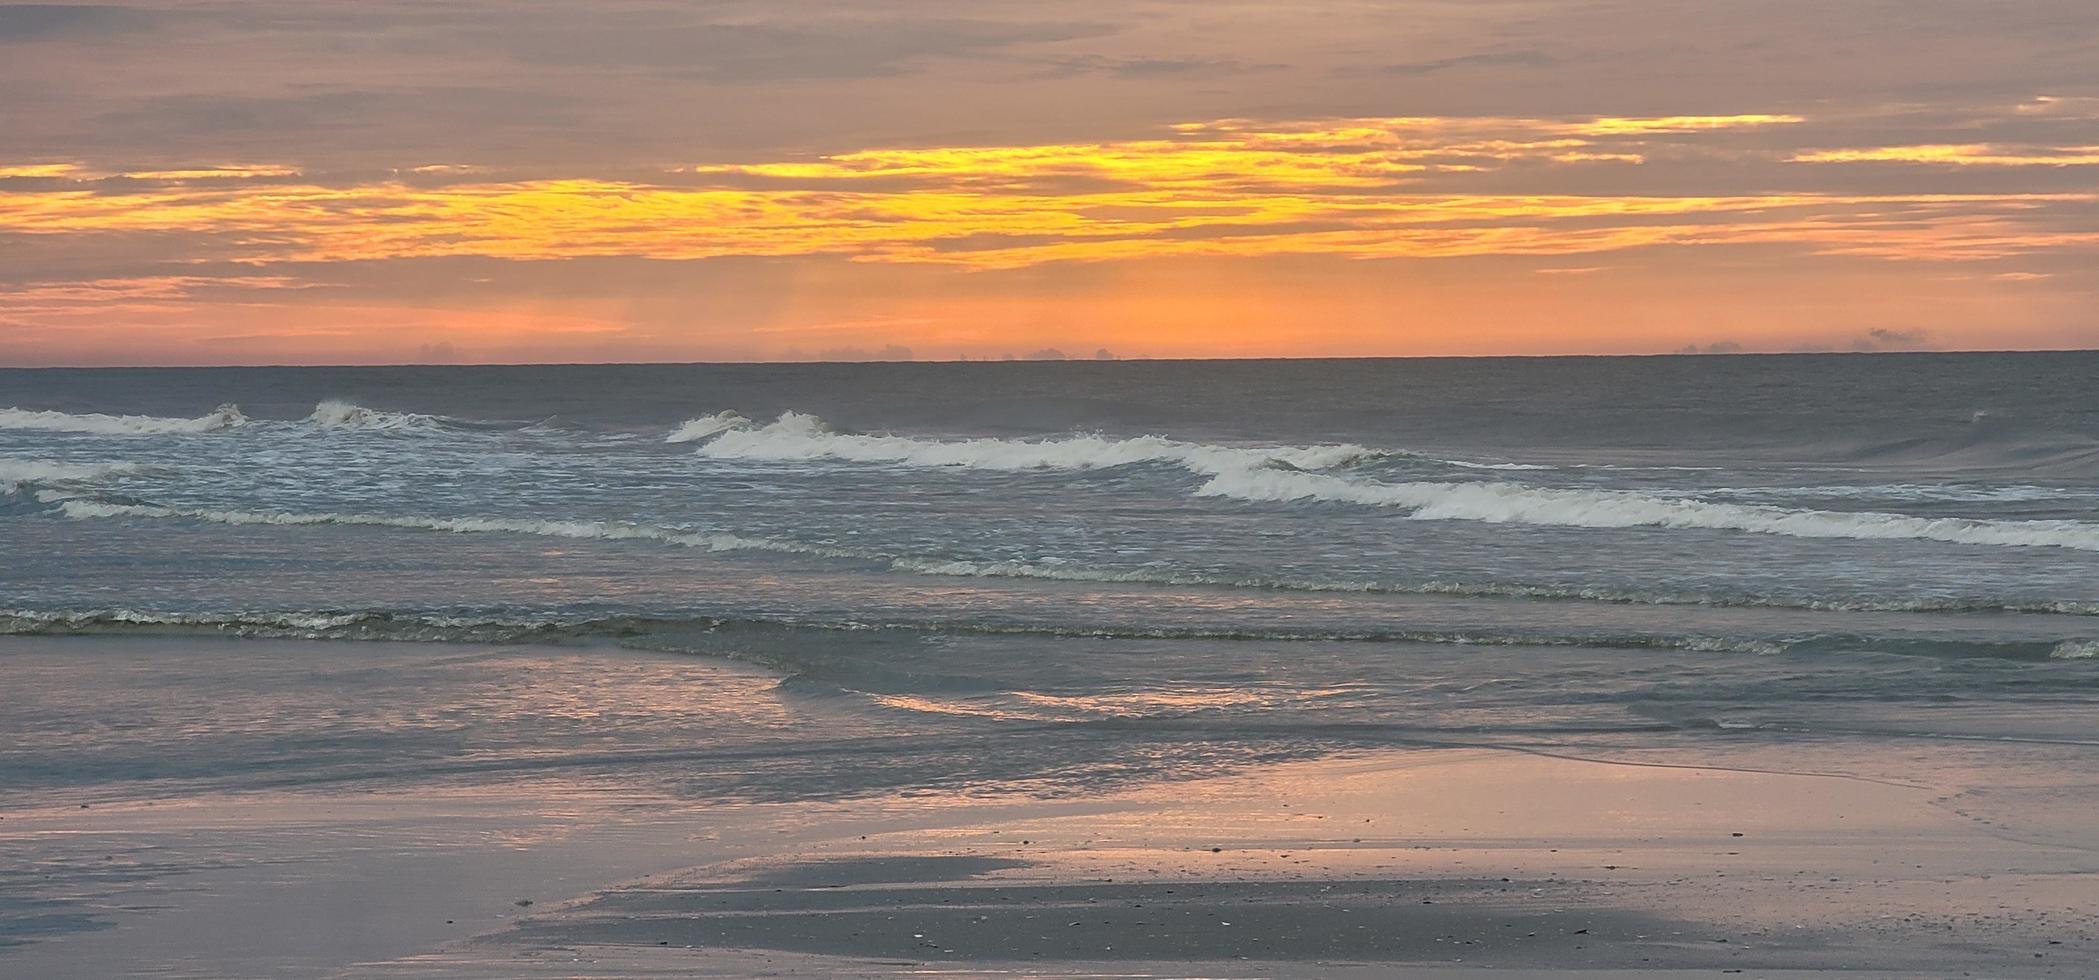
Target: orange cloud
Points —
{"points": [[1962, 155], [1347, 187]]}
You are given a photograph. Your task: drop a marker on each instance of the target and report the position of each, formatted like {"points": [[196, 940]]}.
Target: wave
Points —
{"points": [[224, 417], [694, 430], [1511, 503], [15, 473], [2075, 650], [1303, 473], [795, 436], [1908, 492], [337, 415], [332, 414], [342, 415]]}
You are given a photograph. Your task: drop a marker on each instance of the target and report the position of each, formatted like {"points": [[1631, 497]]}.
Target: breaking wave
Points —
{"points": [[342, 415], [223, 417], [694, 430], [1510, 503], [1305, 473], [15, 473], [795, 436]]}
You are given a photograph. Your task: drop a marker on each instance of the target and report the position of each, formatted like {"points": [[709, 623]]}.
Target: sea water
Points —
{"points": [[1046, 574]]}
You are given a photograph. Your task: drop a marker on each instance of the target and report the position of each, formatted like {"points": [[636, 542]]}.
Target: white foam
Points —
{"points": [[795, 436], [1511, 503], [16, 472], [694, 430], [223, 417], [1294, 473], [342, 415], [2076, 650]]}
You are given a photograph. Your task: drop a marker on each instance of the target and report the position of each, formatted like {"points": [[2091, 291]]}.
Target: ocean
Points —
{"points": [[1037, 576]]}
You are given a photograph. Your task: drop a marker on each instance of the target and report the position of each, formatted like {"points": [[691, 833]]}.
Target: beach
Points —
{"points": [[1145, 669], [1821, 855]]}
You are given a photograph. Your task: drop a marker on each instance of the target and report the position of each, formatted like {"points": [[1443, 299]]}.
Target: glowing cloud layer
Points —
{"points": [[1349, 188]]}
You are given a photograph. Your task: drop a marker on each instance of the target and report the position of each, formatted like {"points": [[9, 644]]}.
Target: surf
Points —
{"points": [[224, 417]]}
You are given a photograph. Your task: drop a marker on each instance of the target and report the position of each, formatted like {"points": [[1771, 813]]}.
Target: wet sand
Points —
{"points": [[1456, 859], [1437, 861], [1772, 857]]}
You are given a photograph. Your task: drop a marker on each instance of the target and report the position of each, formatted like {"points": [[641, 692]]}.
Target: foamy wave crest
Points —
{"points": [[795, 436], [14, 473], [2076, 650], [223, 417], [1510, 503], [342, 415], [694, 430], [596, 530], [1293, 473]]}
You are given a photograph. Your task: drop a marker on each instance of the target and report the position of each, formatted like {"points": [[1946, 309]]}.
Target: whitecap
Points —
{"points": [[345, 416], [796, 436], [1512, 503], [694, 430], [224, 417], [17, 473]]}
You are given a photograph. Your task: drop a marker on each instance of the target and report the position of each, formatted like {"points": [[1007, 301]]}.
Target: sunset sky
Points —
{"points": [[618, 180]]}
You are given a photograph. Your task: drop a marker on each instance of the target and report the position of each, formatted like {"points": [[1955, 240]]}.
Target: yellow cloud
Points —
{"points": [[1682, 124], [39, 170], [1343, 187], [1960, 154]]}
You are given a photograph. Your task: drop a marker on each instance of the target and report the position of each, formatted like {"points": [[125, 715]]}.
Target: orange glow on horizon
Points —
{"points": [[1263, 194]]}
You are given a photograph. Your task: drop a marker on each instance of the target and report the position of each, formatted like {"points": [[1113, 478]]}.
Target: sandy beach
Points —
{"points": [[1823, 856]]}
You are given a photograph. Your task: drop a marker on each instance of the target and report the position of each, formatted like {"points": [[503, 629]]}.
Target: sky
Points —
{"points": [[386, 181]]}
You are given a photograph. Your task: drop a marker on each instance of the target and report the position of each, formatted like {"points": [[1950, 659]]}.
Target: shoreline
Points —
{"points": [[1775, 855]]}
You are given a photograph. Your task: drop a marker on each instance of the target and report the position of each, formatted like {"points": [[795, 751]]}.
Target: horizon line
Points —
{"points": [[1066, 360]]}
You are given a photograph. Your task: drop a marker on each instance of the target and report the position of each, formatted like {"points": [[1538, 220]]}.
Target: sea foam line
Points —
{"points": [[596, 530], [16, 473], [1303, 473], [795, 436], [223, 417], [342, 415], [1508, 503]]}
